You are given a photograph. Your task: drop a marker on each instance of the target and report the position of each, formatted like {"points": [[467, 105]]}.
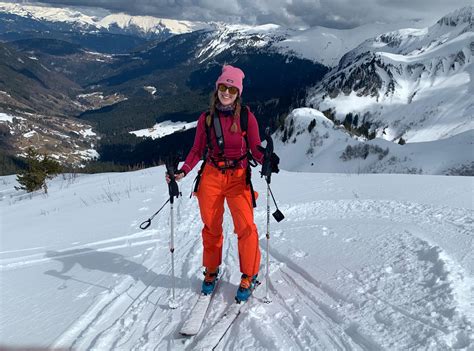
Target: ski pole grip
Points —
{"points": [[267, 154], [171, 167]]}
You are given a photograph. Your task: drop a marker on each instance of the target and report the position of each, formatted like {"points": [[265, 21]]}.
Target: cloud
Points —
{"points": [[293, 13]]}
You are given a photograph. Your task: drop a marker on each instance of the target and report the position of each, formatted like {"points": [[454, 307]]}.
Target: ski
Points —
{"points": [[213, 337], [193, 323]]}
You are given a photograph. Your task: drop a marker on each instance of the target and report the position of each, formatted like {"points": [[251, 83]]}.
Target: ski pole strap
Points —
{"points": [[197, 180], [254, 203], [248, 180], [147, 223]]}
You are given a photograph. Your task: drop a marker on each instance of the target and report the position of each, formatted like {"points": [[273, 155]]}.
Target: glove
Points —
{"points": [[274, 162], [178, 172], [178, 175]]}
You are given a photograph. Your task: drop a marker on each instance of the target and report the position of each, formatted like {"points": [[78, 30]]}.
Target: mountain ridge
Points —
{"points": [[406, 83]]}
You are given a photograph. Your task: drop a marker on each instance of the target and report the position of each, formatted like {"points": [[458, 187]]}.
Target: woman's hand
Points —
{"points": [[178, 175]]}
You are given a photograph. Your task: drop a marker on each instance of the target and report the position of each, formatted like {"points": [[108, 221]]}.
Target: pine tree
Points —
{"points": [[38, 169]]}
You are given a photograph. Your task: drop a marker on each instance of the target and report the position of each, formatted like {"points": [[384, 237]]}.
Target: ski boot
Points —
{"points": [[247, 285], [209, 282]]}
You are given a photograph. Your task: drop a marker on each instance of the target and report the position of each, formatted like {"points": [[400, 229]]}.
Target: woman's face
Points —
{"points": [[227, 95]]}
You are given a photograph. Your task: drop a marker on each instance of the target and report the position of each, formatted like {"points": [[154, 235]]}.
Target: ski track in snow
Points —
{"points": [[308, 312], [369, 308]]}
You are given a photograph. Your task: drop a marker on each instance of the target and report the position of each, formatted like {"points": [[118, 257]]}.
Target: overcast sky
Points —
{"points": [[293, 13]]}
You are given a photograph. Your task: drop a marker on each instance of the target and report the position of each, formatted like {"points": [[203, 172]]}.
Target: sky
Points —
{"points": [[293, 13]]}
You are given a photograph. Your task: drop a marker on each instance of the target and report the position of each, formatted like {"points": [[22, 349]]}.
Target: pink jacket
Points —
{"points": [[234, 143]]}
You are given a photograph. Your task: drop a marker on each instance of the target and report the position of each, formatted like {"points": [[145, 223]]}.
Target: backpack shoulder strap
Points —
{"points": [[208, 125], [244, 120], [244, 123], [218, 131]]}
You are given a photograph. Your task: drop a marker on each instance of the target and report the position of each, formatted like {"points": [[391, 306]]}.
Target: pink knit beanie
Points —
{"points": [[231, 76]]}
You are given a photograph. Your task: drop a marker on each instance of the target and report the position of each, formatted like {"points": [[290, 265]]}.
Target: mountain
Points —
{"points": [[93, 19], [38, 104], [92, 29], [171, 81], [327, 147], [411, 84], [31, 86], [328, 45], [180, 72], [402, 86]]}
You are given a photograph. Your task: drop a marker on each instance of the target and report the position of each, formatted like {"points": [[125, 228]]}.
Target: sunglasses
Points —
{"points": [[232, 90]]}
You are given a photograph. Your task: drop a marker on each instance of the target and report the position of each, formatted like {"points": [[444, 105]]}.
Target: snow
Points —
{"points": [[89, 154], [98, 94], [162, 129], [150, 24], [426, 80], [379, 261], [323, 147], [87, 132], [6, 118], [328, 45], [53, 14], [151, 89], [30, 134], [319, 44], [101, 19]]}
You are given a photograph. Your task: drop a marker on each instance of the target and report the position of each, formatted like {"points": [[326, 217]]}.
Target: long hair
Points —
{"points": [[212, 109]]}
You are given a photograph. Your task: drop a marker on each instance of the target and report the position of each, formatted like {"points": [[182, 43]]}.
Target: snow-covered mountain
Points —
{"points": [[238, 38], [407, 85], [328, 45], [323, 146], [412, 83], [94, 19], [319, 44]]}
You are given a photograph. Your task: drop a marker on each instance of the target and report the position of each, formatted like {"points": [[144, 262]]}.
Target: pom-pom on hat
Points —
{"points": [[231, 76]]}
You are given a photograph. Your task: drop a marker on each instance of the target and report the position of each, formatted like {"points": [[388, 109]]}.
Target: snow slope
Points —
{"points": [[363, 262], [162, 129], [330, 148], [328, 45]]}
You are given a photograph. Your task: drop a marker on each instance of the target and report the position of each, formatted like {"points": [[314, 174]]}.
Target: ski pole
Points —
{"points": [[267, 275], [171, 166], [267, 173]]}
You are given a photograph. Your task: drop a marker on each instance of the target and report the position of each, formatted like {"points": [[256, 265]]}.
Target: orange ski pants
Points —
{"points": [[215, 187]]}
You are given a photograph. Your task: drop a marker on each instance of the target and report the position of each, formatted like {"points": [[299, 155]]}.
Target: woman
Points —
{"points": [[224, 178]]}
